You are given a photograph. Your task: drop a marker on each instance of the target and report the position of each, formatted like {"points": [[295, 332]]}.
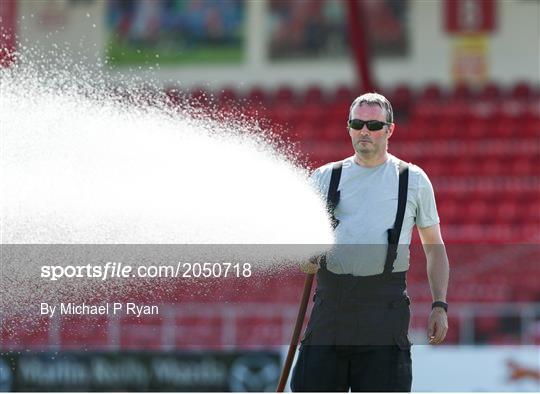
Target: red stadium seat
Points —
{"points": [[505, 127], [91, 331], [419, 128], [330, 133], [23, 334], [257, 95], [227, 95], [521, 91], [199, 331], [506, 212], [476, 212], [200, 98], [478, 128], [490, 166], [284, 95], [305, 131], [431, 93], [313, 96], [463, 167], [490, 92], [402, 101], [137, 336], [532, 212], [522, 166], [456, 109], [461, 92], [446, 129], [343, 95], [533, 109], [531, 128], [259, 331], [451, 212]]}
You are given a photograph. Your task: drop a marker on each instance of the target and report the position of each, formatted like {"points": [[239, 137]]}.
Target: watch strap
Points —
{"points": [[440, 304]]}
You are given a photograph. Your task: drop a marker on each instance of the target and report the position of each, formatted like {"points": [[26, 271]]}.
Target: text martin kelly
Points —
{"points": [[70, 308]]}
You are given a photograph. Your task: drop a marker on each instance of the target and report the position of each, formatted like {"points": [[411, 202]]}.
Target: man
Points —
{"points": [[357, 336]]}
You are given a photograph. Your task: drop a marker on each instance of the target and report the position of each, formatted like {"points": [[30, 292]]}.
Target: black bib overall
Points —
{"points": [[357, 335]]}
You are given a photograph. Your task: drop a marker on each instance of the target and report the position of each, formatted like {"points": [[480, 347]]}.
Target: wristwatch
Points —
{"points": [[441, 304]]}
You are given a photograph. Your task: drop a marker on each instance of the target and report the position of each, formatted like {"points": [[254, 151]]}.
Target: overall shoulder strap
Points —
{"points": [[332, 200], [394, 233]]}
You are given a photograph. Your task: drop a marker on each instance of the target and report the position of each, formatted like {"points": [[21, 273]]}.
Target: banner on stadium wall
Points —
{"points": [[175, 32], [476, 368], [470, 59], [139, 371], [469, 16]]}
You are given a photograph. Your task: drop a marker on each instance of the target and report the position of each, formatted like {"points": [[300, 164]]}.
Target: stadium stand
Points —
{"points": [[480, 149]]}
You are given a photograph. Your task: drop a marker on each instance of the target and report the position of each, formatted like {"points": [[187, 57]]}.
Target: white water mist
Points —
{"points": [[81, 166]]}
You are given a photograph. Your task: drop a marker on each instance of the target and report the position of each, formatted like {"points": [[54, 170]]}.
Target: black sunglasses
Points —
{"points": [[372, 125]]}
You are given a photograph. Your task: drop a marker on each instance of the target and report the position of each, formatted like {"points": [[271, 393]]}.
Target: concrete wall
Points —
{"points": [[513, 50], [49, 27]]}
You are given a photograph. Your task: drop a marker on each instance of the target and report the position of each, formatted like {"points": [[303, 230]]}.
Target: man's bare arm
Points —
{"points": [[438, 272]]}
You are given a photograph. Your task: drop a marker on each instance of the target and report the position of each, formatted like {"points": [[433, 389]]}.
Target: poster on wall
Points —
{"points": [[470, 16], [308, 29], [470, 59], [470, 22], [146, 32]]}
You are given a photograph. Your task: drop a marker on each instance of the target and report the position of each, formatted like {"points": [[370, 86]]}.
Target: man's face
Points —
{"points": [[370, 144]]}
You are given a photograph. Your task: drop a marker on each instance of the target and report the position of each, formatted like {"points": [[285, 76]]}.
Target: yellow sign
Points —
{"points": [[469, 60]]}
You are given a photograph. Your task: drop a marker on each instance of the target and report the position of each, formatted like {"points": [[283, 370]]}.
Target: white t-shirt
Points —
{"points": [[367, 209]]}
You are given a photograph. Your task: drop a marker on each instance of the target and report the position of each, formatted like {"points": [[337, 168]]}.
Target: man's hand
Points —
{"points": [[437, 326], [311, 266]]}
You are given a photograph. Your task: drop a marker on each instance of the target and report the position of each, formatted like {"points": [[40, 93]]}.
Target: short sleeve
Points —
{"points": [[319, 180], [426, 214], [315, 178]]}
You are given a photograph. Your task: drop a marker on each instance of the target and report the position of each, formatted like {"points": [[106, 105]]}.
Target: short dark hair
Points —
{"points": [[374, 99]]}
